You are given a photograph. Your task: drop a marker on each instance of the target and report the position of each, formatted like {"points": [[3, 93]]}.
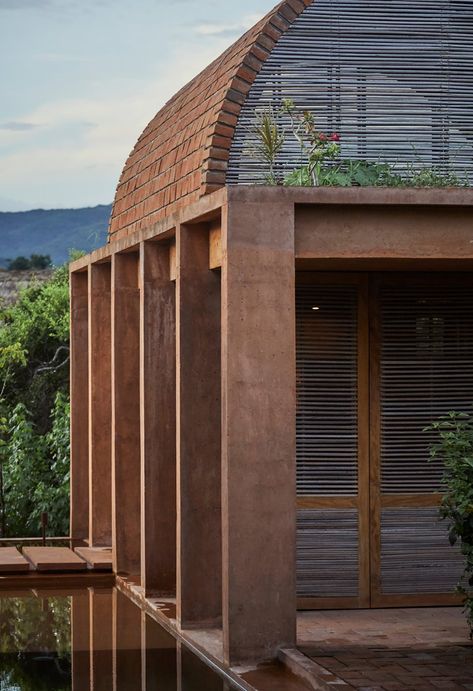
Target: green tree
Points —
{"points": [[19, 264], [34, 409], [40, 261]]}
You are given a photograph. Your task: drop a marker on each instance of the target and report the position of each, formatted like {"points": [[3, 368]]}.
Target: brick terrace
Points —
{"points": [[391, 650]]}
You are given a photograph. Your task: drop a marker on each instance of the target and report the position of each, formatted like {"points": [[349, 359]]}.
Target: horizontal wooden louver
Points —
{"points": [[327, 553], [416, 557], [394, 79], [326, 362], [426, 370]]}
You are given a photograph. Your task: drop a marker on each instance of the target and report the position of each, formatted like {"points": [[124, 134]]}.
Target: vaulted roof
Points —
{"points": [[183, 152]]}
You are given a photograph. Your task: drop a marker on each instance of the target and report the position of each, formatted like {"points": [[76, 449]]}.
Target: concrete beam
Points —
{"points": [[100, 406], [258, 431], [126, 414], [79, 372], [158, 421], [198, 431]]}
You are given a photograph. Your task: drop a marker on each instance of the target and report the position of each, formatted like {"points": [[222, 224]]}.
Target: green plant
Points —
{"points": [[455, 448], [315, 146], [35, 471], [320, 165], [270, 142], [34, 409]]}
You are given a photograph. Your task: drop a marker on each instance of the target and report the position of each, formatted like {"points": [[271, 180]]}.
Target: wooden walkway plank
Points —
{"points": [[54, 559], [97, 558], [11, 561]]}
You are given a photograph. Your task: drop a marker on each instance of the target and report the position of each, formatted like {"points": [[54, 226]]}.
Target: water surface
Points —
{"points": [[92, 640]]}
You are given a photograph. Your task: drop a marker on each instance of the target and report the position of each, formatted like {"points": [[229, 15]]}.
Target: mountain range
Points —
{"points": [[54, 232]]}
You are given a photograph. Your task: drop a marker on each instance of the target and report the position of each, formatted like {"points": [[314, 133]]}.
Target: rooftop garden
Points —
{"points": [[321, 163]]}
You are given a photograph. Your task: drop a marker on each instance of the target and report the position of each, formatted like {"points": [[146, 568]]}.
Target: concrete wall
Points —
{"points": [[201, 438]]}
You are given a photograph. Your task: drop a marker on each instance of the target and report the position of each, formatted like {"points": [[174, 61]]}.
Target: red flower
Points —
{"points": [[323, 137], [335, 137]]}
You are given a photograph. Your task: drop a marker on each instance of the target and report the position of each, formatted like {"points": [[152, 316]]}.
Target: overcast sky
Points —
{"points": [[81, 79]]}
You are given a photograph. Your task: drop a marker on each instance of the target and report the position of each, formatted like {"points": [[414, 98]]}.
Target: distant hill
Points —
{"points": [[52, 232]]}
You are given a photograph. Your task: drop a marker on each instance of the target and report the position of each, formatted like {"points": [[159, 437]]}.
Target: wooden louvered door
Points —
{"points": [[379, 357], [421, 368], [332, 441]]}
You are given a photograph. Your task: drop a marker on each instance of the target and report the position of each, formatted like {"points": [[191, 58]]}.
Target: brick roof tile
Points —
{"points": [[182, 153]]}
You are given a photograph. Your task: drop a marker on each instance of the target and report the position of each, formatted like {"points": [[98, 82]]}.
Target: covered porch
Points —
{"points": [[184, 400]]}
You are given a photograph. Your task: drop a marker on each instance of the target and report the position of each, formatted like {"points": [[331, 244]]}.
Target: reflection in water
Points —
{"points": [[92, 640]]}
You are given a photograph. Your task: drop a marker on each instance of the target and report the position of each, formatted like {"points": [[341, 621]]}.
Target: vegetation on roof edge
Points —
{"points": [[320, 162]]}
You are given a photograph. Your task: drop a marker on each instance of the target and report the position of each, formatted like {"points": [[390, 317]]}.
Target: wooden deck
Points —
{"points": [[55, 560], [11, 561], [97, 558]]}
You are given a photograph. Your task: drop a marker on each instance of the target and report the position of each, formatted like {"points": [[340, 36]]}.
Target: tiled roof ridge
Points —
{"points": [[183, 152]]}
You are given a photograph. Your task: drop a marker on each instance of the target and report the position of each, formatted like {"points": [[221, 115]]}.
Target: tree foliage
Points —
{"points": [[455, 448], [37, 262], [34, 409]]}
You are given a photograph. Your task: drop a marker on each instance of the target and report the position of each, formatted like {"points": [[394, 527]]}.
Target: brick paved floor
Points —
{"points": [[391, 650]]}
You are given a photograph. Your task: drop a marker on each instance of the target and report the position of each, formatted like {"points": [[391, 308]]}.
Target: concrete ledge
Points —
{"points": [[207, 645], [316, 676]]}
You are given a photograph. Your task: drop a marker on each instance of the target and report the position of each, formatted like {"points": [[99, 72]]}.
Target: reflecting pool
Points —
{"points": [[92, 640]]}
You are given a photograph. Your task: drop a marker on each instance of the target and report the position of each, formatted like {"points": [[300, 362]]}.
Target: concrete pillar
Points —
{"points": [[198, 431], [100, 406], [126, 414], [126, 644], [101, 639], [158, 421], [79, 522], [158, 657], [80, 642], [258, 430]]}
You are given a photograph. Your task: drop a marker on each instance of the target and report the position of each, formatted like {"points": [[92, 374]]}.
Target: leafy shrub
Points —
{"points": [[35, 471], [455, 448], [34, 409]]}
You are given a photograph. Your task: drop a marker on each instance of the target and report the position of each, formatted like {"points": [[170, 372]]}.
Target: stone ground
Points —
{"points": [[391, 650]]}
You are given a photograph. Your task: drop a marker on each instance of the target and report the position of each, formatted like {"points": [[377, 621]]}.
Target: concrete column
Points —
{"points": [[126, 414], [79, 522], [158, 657], [126, 644], [198, 431], [80, 642], [258, 430], [101, 639], [158, 421], [100, 406]]}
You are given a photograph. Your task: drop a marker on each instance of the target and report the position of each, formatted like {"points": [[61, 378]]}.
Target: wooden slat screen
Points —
{"points": [[326, 423], [416, 557], [394, 79], [426, 370], [327, 553]]}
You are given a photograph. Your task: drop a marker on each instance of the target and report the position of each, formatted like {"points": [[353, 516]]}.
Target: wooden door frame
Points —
{"points": [[377, 501]]}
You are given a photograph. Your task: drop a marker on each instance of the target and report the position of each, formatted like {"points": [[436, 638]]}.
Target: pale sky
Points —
{"points": [[82, 78]]}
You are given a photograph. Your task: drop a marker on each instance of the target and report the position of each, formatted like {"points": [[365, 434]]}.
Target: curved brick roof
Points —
{"points": [[183, 152]]}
